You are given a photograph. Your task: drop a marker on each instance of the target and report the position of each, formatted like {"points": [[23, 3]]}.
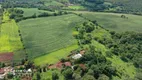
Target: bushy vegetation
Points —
{"points": [[55, 33], [128, 46]]}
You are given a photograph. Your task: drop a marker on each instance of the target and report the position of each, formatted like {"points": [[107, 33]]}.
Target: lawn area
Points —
{"points": [[31, 11], [9, 36], [114, 22], [54, 57], [45, 35]]}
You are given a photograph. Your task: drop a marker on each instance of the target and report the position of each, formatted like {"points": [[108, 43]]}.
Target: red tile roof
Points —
{"points": [[67, 63]]}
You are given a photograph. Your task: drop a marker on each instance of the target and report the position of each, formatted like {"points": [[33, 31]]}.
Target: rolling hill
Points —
{"points": [[128, 6]]}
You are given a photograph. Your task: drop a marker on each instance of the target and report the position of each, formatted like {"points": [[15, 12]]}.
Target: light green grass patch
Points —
{"points": [[9, 36], [76, 7], [99, 47], [101, 34], [54, 57]]}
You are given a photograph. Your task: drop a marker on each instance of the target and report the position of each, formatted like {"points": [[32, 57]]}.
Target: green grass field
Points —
{"points": [[9, 36], [45, 35], [54, 57], [114, 22], [31, 11]]}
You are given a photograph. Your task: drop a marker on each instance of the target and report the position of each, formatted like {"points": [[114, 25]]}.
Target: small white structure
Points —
{"points": [[77, 56], [29, 71]]}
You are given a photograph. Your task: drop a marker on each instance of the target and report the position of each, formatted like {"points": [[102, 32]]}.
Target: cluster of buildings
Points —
{"points": [[6, 70]]}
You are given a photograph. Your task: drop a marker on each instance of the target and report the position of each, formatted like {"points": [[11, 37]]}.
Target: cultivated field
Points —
{"points": [[114, 22], [5, 57], [45, 35], [128, 5], [32, 11], [9, 36]]}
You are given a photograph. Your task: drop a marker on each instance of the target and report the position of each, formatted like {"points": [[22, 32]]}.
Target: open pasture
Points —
{"points": [[45, 35], [114, 21]]}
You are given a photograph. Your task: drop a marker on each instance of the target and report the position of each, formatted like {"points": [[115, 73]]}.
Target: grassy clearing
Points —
{"points": [[45, 35], [9, 36], [54, 57], [114, 22], [101, 34], [31, 11]]}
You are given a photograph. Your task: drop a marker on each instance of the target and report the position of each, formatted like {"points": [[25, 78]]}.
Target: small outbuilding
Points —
{"points": [[77, 56]]}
